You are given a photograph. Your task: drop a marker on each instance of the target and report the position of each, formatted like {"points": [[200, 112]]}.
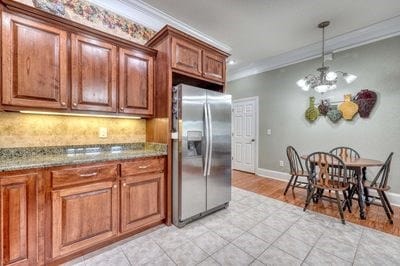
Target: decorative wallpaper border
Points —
{"points": [[91, 15]]}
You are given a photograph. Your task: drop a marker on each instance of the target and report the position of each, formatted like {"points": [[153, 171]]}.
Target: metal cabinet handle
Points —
{"points": [[121, 108], [143, 166], [75, 104], [63, 103], [115, 186], [124, 184], [88, 175]]}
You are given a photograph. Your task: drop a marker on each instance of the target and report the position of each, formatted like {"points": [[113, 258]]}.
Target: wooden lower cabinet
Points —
{"points": [[83, 216], [19, 214], [142, 201]]}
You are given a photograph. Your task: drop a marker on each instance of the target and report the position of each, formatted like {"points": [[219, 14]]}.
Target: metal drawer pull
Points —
{"points": [[88, 175], [144, 166]]}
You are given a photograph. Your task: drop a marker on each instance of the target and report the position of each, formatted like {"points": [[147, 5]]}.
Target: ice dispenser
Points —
{"points": [[194, 143]]}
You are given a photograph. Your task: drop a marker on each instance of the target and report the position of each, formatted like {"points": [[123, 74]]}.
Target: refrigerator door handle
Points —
{"points": [[206, 133], [210, 138]]}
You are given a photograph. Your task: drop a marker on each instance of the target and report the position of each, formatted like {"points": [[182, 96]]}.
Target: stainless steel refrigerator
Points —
{"points": [[201, 152]]}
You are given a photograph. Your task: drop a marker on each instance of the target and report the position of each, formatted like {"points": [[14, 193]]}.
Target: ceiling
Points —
{"points": [[262, 29]]}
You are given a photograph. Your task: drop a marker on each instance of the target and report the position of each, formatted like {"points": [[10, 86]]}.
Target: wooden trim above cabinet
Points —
{"points": [[169, 30]]}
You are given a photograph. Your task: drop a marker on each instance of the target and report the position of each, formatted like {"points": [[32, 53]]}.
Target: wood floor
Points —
{"points": [[376, 217]]}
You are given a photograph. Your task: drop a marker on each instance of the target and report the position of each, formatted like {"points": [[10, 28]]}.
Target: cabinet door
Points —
{"points": [[142, 201], [186, 57], [19, 220], [213, 66], [83, 216], [34, 64], [94, 70], [135, 83]]}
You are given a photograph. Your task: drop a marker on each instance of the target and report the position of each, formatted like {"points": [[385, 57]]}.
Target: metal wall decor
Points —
{"points": [[312, 112], [323, 107], [362, 103], [349, 109], [365, 100], [334, 114]]}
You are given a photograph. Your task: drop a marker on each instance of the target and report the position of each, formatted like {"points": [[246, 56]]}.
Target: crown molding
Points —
{"points": [[375, 32], [155, 19]]}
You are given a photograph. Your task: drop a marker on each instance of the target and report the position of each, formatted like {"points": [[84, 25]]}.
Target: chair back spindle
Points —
{"points": [[329, 171]]}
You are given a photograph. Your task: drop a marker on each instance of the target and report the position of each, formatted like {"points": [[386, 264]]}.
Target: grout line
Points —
{"points": [[358, 246]]}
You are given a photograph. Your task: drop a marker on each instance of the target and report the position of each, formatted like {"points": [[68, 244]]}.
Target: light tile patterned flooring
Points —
{"points": [[254, 230]]}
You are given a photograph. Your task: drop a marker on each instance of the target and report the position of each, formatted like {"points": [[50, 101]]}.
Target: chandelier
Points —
{"points": [[325, 80]]}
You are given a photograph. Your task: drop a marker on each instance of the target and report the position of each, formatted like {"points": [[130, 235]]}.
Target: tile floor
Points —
{"points": [[254, 230]]}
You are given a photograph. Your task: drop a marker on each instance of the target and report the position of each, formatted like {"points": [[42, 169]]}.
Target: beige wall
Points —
{"points": [[282, 105], [28, 130]]}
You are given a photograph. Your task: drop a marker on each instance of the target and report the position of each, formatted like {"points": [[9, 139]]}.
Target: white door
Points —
{"points": [[244, 142]]}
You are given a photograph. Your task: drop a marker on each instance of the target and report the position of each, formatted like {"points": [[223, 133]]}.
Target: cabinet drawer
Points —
{"points": [[142, 166], [79, 175]]}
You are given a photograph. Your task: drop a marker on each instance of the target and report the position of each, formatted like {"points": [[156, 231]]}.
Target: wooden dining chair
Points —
{"points": [[380, 185], [327, 172], [347, 153], [296, 170]]}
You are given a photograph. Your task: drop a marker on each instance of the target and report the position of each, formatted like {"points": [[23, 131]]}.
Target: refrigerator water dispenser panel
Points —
{"points": [[194, 143]]}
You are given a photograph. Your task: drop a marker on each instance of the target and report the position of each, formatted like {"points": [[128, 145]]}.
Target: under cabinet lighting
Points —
{"points": [[81, 115]]}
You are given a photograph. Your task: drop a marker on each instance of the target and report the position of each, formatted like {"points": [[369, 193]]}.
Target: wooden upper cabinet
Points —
{"points": [[34, 64], [83, 216], [213, 66], [136, 82], [18, 220], [142, 201], [186, 56], [93, 74]]}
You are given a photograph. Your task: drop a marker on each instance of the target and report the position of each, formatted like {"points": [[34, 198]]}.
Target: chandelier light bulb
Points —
{"points": [[349, 78], [301, 83], [330, 76]]}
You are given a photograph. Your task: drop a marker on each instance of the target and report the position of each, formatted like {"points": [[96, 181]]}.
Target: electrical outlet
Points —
{"points": [[103, 132], [269, 131], [281, 164]]}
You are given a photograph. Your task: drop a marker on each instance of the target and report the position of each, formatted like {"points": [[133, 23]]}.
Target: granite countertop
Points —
{"points": [[41, 157]]}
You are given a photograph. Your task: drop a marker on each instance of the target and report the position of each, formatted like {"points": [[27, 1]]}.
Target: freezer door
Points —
{"points": [[219, 168], [193, 148]]}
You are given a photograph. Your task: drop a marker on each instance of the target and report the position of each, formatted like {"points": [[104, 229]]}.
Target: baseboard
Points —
{"points": [[394, 198], [272, 174]]}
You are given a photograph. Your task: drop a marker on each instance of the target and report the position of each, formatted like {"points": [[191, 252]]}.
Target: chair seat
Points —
{"points": [[331, 185], [367, 184]]}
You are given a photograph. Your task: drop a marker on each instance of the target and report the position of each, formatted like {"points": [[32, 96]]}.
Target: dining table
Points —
{"points": [[359, 165]]}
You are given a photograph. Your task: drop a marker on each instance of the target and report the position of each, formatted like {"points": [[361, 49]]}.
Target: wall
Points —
{"points": [[91, 15], [30, 130], [282, 105]]}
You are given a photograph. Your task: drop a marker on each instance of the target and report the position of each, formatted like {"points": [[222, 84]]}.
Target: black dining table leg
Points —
{"points": [[366, 192], [361, 198]]}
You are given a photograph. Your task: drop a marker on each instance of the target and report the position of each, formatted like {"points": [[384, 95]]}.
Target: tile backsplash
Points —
{"points": [[31, 130]]}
